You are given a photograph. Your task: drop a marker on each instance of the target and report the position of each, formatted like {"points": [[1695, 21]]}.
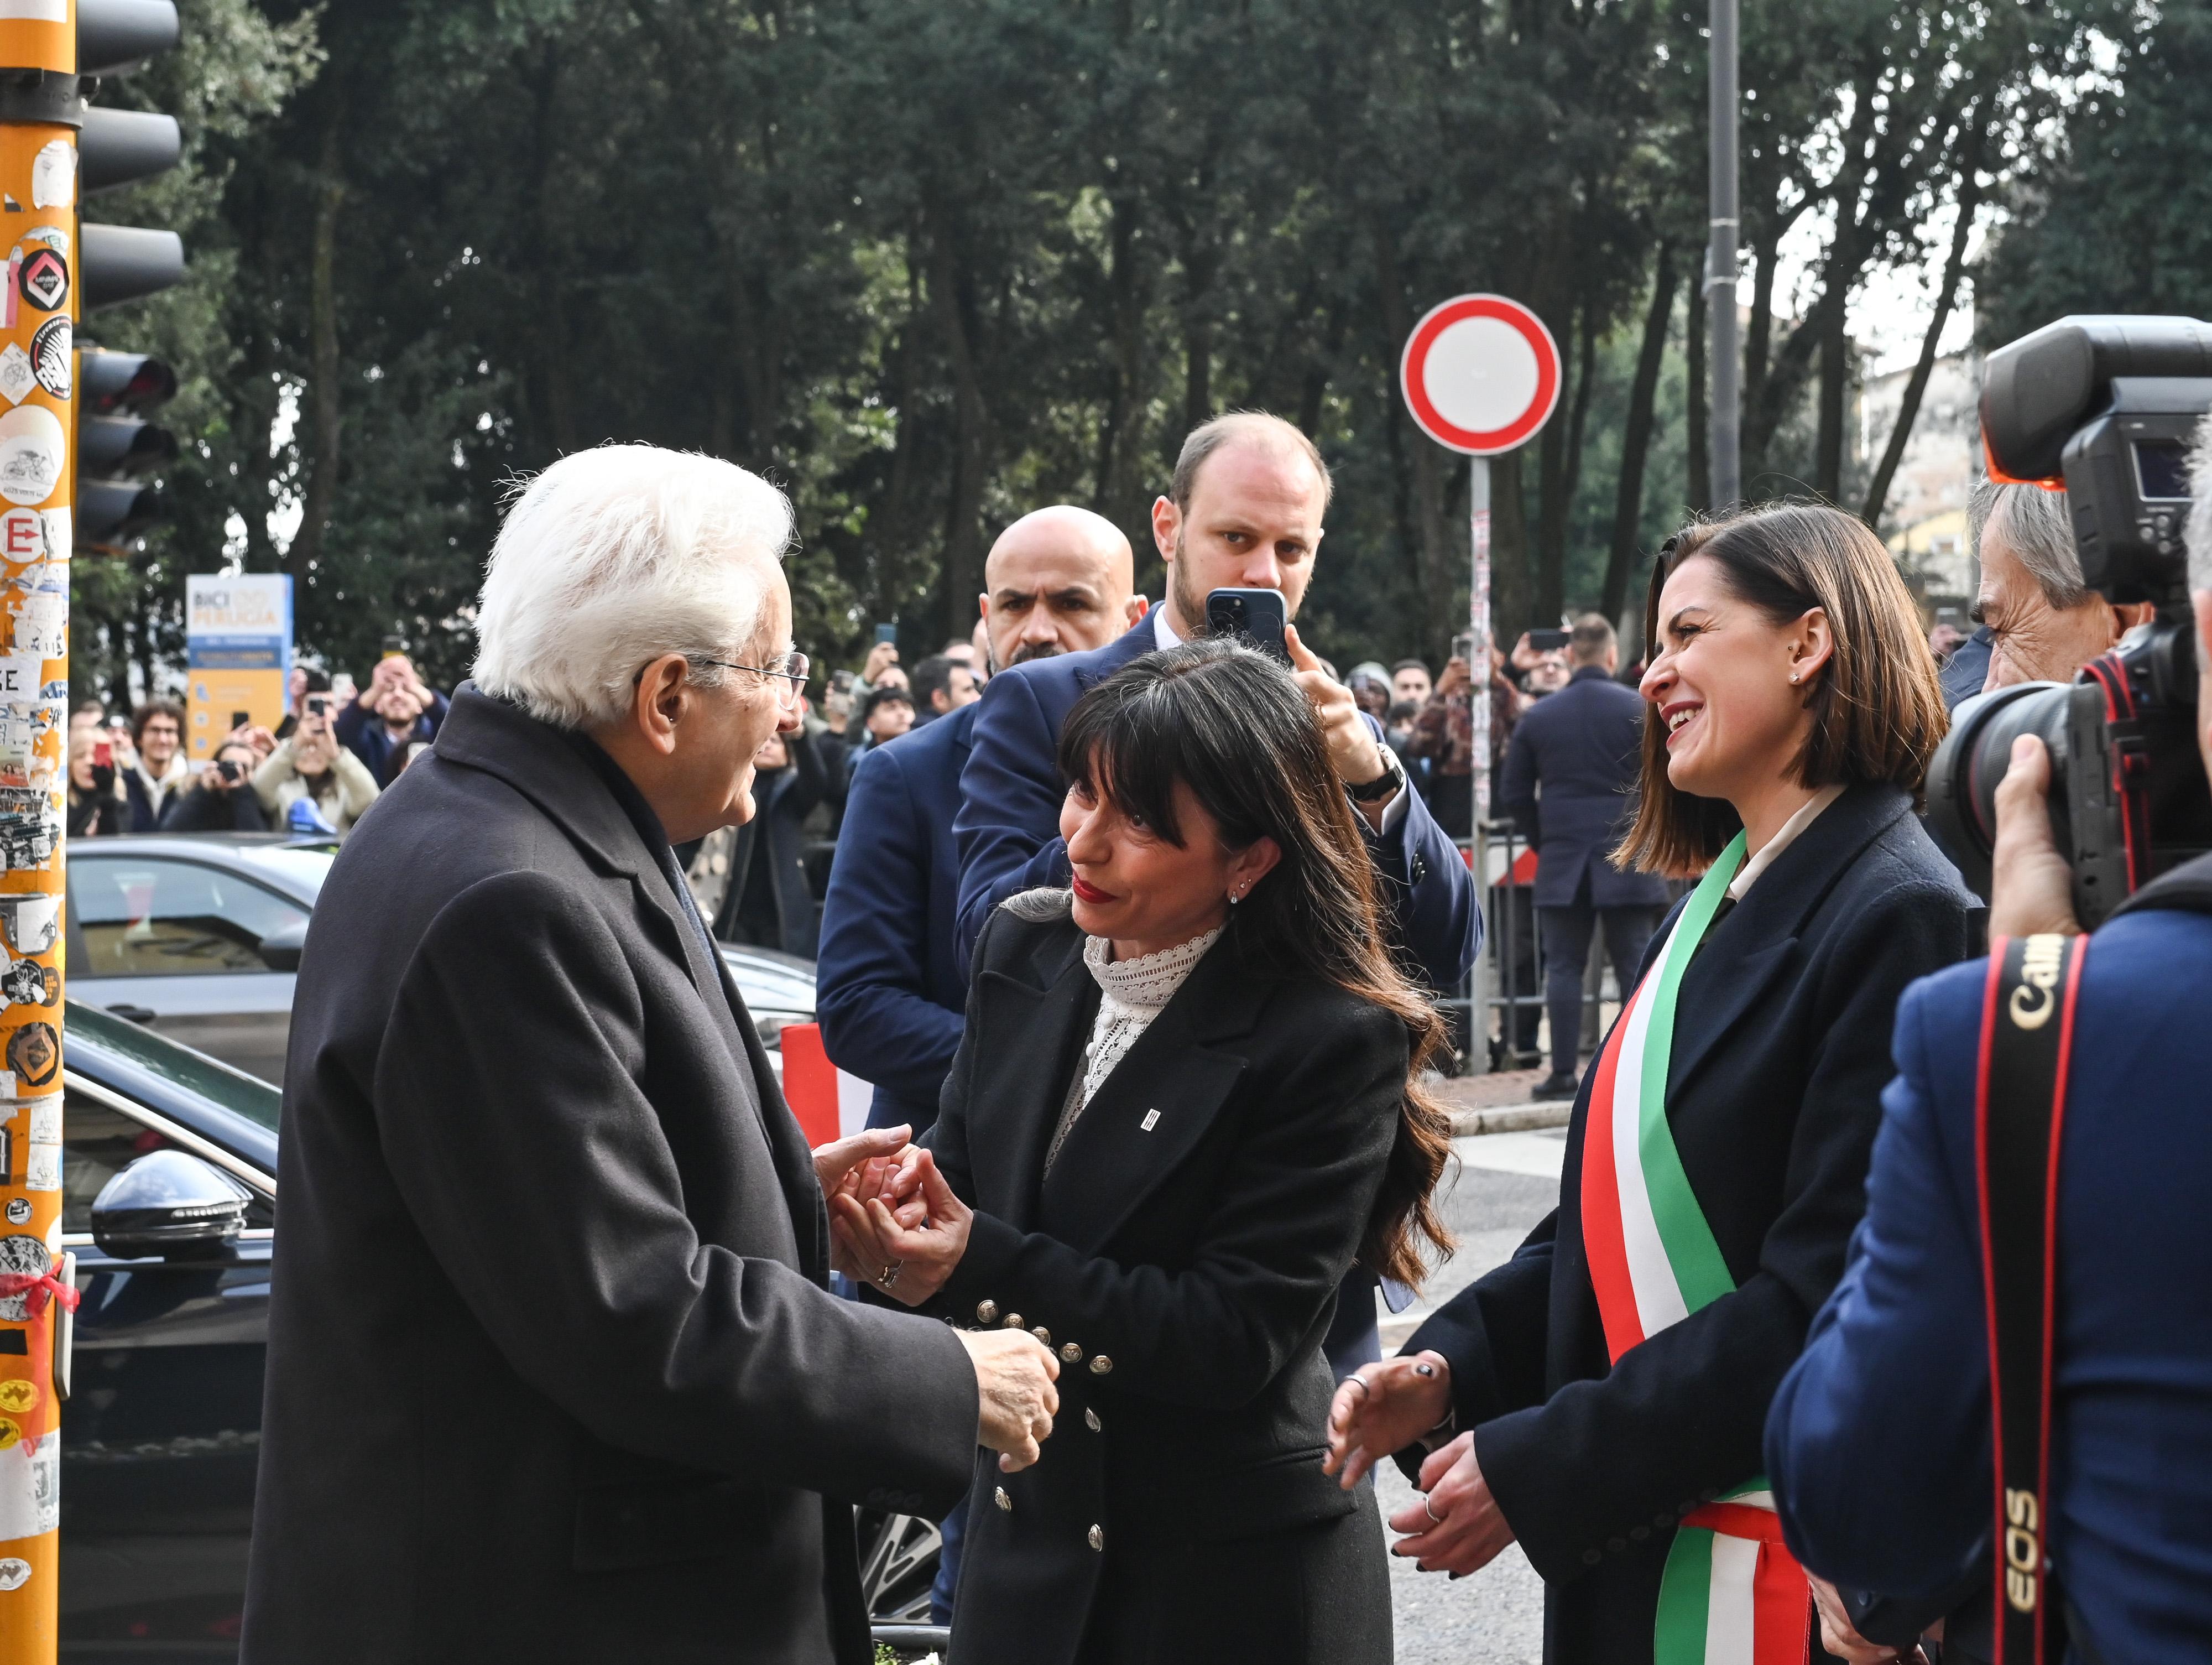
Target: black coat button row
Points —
{"points": [[1070, 1352]]}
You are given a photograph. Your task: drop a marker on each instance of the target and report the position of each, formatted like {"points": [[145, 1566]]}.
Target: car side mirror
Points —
{"points": [[171, 1203], [280, 949]]}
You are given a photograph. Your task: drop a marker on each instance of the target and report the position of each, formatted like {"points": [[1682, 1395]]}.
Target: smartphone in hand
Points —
{"points": [[1254, 617]]}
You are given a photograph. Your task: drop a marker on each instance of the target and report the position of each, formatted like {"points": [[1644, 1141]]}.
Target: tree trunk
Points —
{"points": [[1635, 439], [1954, 265], [323, 408], [1510, 600], [1696, 496], [1432, 551], [964, 529], [554, 378], [1558, 460]]}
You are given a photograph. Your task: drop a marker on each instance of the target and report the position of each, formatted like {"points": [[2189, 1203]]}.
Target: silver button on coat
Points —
{"points": [[1004, 1501], [1098, 1535]]}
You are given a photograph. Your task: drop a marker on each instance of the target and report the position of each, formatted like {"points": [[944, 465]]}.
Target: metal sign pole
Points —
{"points": [[1478, 629], [1721, 320]]}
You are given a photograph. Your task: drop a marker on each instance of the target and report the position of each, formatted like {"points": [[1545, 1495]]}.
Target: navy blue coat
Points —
{"points": [[1581, 746], [1008, 820], [1878, 1444], [1968, 668], [1773, 1094], [889, 991]]}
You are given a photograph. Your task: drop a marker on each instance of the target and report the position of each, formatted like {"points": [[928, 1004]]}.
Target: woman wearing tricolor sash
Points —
{"points": [[1600, 1397]]}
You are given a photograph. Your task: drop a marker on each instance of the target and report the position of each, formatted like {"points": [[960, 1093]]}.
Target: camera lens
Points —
{"points": [[1962, 780]]}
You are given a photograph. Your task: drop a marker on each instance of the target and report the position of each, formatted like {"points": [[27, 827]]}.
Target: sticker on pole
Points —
{"points": [[1480, 374]]}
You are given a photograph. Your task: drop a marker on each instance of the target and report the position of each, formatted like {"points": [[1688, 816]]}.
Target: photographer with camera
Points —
{"points": [[2044, 623], [221, 799], [2038, 1185]]}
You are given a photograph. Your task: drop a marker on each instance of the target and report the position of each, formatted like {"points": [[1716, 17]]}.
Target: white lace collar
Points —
{"points": [[1147, 983]]}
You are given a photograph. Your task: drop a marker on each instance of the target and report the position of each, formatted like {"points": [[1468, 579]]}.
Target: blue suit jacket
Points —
{"points": [[1008, 820], [1582, 746], [889, 991], [1878, 1443]]}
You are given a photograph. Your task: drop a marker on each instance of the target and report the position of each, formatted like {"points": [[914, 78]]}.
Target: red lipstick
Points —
{"points": [[1089, 893]]}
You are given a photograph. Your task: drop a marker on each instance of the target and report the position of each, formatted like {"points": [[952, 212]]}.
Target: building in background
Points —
{"points": [[1925, 518]]}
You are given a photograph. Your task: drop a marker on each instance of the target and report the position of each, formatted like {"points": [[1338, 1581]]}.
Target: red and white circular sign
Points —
{"points": [[1480, 374]]}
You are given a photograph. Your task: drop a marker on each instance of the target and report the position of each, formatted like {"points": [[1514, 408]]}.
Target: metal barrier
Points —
{"points": [[1513, 958]]}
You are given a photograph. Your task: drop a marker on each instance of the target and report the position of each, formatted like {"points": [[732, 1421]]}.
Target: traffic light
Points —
{"points": [[119, 452]]}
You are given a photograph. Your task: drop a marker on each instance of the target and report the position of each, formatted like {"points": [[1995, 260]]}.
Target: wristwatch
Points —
{"points": [[1392, 779]]}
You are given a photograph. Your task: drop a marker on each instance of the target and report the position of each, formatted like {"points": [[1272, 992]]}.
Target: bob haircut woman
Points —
{"points": [[1188, 1093], [1612, 1380], [1877, 707]]}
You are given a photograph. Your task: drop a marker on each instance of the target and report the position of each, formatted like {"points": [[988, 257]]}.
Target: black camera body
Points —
{"points": [[2109, 407]]}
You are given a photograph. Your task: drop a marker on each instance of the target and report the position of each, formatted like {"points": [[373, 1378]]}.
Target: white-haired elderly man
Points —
{"points": [[554, 1373]]}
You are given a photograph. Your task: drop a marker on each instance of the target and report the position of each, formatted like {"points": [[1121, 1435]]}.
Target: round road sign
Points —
{"points": [[1480, 374]]}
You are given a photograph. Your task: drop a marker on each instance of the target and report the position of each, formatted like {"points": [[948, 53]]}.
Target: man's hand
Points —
{"points": [[1840, 1638], [855, 1168], [1352, 750], [1382, 1408], [2031, 888], [1458, 1528], [1457, 677], [1014, 1377], [883, 654]]}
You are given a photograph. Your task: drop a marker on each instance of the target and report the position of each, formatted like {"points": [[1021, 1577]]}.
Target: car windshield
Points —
{"points": [[300, 868], [256, 1100]]}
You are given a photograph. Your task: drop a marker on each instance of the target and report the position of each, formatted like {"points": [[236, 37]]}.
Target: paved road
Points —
{"points": [[1505, 1183]]}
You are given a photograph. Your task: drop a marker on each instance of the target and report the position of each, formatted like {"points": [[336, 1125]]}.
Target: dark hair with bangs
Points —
{"points": [[1877, 707], [1232, 726]]}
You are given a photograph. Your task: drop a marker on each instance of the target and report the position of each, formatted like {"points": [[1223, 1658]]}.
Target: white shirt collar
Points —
{"points": [[1782, 840], [1162, 632]]}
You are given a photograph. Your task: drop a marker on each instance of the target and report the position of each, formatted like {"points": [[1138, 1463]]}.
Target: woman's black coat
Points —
{"points": [[776, 834], [1773, 1093], [1183, 1256]]}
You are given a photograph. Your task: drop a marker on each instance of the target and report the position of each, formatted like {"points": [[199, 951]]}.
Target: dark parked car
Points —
{"points": [[169, 1203], [197, 935]]}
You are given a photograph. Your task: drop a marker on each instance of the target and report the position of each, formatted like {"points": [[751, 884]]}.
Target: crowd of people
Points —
{"points": [[316, 774], [1140, 939]]}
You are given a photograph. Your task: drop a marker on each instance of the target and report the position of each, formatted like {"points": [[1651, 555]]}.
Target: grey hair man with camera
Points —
{"points": [[2066, 1204]]}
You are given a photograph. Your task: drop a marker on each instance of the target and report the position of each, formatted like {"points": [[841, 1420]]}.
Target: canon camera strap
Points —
{"points": [[2019, 1113]]}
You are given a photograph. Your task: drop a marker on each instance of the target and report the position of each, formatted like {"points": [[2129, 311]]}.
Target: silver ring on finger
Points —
{"points": [[1356, 1380], [890, 1274], [1432, 1513]]}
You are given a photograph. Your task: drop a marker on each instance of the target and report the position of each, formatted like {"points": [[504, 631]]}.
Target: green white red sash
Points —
{"points": [[1731, 1594]]}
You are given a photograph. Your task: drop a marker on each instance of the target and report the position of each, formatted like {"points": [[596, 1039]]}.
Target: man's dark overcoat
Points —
{"points": [[553, 1371], [1581, 745], [1781, 1050]]}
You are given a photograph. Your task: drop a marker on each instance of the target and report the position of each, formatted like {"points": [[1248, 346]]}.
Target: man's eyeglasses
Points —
{"points": [[791, 671]]}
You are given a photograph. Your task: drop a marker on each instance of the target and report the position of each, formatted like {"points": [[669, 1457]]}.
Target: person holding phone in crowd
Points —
{"points": [[396, 709], [1190, 1090], [311, 768], [221, 799], [94, 809], [1600, 1398]]}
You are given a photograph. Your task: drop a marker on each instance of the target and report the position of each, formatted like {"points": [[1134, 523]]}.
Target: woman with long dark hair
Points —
{"points": [[1600, 1398], [1189, 1095]]}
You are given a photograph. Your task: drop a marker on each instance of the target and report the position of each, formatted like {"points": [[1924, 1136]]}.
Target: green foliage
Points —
{"points": [[2117, 215], [929, 263]]}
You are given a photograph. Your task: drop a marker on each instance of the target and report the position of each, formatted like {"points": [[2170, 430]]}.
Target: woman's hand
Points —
{"points": [[1458, 1528], [1382, 1408], [856, 1167], [910, 1263], [1457, 678]]}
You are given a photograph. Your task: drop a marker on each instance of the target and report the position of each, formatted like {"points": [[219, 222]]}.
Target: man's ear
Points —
{"points": [[657, 706], [1167, 526], [1136, 608]]}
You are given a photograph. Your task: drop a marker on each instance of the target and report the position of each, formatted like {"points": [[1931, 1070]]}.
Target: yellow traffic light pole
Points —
{"points": [[40, 235]]}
